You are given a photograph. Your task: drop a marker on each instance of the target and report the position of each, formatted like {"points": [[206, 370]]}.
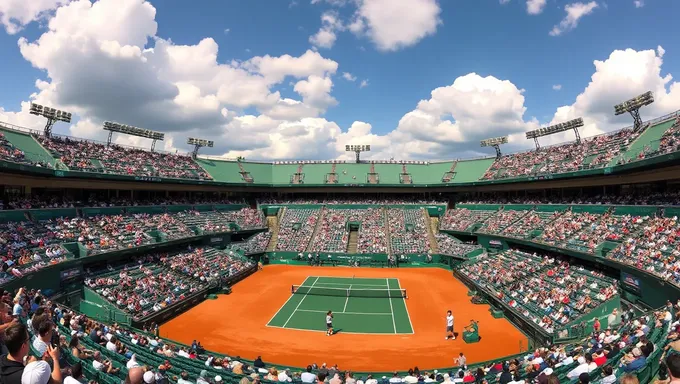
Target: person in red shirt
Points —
{"points": [[596, 325]]}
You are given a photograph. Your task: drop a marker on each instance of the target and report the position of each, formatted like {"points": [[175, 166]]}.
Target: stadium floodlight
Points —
{"points": [[633, 106], [357, 149], [52, 115], [133, 131], [574, 124], [198, 143], [495, 143]]}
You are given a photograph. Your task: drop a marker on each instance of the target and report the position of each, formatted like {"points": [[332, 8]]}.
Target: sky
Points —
{"points": [[300, 79]]}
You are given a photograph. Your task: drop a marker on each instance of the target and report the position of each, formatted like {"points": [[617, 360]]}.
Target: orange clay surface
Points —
{"points": [[235, 324]]}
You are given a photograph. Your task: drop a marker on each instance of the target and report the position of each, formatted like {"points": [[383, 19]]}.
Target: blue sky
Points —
{"points": [[484, 37]]}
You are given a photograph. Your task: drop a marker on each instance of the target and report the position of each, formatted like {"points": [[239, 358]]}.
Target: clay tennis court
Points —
{"points": [[236, 324]]}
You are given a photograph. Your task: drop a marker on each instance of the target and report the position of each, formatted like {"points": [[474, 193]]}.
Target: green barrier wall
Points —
{"points": [[48, 214], [89, 212], [7, 216], [101, 307]]}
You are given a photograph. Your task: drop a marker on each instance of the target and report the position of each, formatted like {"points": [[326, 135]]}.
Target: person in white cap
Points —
{"points": [[149, 377], [38, 372], [218, 379]]}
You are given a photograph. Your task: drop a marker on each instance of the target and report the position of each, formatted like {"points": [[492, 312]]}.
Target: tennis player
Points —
{"points": [[329, 323], [449, 326]]}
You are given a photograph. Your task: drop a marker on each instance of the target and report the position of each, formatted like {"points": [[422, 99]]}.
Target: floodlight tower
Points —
{"points": [[574, 124], [198, 143], [52, 115], [495, 143], [633, 106], [357, 149], [133, 131]]}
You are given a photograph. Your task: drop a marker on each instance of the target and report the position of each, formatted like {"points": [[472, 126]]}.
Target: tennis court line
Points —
{"points": [[342, 332], [347, 299], [284, 304], [413, 330], [394, 324], [298, 305], [344, 285], [346, 313]]}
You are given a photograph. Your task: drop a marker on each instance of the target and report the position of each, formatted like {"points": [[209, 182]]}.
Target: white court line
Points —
{"points": [[354, 285], [298, 306], [343, 332], [394, 324], [347, 299], [284, 304], [346, 313], [406, 308]]}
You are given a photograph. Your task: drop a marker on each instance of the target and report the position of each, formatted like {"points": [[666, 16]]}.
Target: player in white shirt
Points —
{"points": [[329, 323], [449, 326]]}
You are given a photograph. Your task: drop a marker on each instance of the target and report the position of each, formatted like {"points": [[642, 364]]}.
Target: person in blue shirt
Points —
{"points": [[639, 361]]}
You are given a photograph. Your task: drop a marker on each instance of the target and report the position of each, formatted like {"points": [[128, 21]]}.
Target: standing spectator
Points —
{"points": [[12, 365], [38, 372], [461, 361]]}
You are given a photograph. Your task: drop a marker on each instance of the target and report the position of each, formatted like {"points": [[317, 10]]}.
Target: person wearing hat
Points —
{"points": [[38, 372], [149, 377]]}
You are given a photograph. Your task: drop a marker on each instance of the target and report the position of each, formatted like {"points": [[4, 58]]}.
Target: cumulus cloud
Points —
{"points": [[575, 12], [348, 76], [557, 87], [393, 25], [623, 75], [364, 83], [326, 36], [639, 3], [535, 7], [471, 109], [15, 14]]}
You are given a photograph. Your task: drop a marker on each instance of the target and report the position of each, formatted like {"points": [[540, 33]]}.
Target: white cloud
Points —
{"points": [[326, 36], [99, 66], [15, 14], [393, 25], [557, 87], [504, 1], [470, 109], [227, 30], [575, 12], [131, 75], [623, 75], [639, 3], [364, 83], [535, 7], [348, 76]]}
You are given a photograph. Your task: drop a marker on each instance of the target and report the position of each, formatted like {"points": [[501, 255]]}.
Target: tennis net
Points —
{"points": [[349, 292]]}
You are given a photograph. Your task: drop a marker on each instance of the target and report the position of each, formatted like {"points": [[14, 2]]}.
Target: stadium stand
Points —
{"points": [[99, 158]]}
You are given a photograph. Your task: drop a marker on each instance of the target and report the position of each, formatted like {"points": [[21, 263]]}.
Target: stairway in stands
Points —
{"points": [[316, 230], [273, 225], [448, 176], [387, 231], [434, 246], [352, 241]]}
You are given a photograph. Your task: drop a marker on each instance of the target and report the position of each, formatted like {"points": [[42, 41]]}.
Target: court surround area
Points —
{"points": [[359, 305], [236, 324]]}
